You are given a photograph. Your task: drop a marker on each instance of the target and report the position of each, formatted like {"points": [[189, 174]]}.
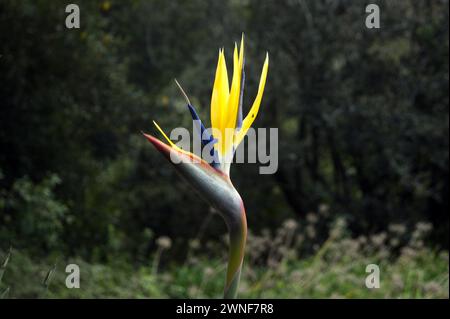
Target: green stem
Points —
{"points": [[238, 236]]}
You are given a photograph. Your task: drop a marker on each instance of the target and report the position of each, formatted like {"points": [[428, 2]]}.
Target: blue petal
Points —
{"points": [[209, 139], [195, 117]]}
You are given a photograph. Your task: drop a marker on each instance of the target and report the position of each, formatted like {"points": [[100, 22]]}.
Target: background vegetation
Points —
{"points": [[363, 155]]}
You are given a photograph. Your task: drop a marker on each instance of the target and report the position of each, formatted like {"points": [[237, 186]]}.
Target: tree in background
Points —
{"points": [[363, 116]]}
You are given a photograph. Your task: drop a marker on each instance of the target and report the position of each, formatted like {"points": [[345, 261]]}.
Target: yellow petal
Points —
{"points": [[248, 121], [233, 102], [241, 53], [172, 144], [235, 88], [219, 98], [224, 92], [215, 111]]}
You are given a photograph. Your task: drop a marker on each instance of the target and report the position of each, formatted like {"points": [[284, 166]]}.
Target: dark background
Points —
{"points": [[362, 117]]}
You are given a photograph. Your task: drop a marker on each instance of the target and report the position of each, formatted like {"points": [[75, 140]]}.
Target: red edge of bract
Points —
{"points": [[166, 149], [160, 146]]}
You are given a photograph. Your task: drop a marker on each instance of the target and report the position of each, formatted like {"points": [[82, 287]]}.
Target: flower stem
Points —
{"points": [[238, 236]]}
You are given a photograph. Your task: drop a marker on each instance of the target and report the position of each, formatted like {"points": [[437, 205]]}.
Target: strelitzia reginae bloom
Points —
{"points": [[211, 180]]}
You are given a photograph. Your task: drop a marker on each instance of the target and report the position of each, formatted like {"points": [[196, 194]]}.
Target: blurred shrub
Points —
{"points": [[30, 211], [274, 267]]}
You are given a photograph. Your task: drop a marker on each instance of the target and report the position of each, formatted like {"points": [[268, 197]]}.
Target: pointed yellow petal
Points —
{"points": [[233, 102], [241, 53], [224, 89], [219, 98], [248, 121], [172, 144], [215, 111]]}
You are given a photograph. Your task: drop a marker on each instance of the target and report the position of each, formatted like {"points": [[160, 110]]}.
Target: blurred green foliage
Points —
{"points": [[362, 114], [40, 217], [273, 269]]}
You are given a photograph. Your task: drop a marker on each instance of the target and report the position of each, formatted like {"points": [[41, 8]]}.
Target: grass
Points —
{"points": [[274, 268]]}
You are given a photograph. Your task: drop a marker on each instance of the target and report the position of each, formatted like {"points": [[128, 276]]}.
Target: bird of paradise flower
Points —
{"points": [[211, 180]]}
